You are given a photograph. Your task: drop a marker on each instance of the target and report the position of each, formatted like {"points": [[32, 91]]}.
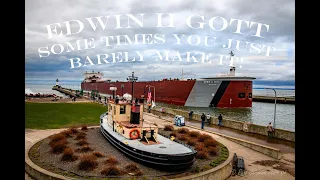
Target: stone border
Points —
{"points": [[221, 172], [39, 173], [269, 151]]}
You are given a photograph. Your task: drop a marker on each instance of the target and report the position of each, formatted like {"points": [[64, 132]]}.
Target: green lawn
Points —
{"points": [[62, 115]]}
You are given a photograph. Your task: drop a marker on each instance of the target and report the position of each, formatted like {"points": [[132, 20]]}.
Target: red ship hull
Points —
{"points": [[217, 92]]}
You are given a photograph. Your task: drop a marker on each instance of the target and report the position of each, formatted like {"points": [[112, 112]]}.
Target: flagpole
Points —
{"points": [[154, 93]]}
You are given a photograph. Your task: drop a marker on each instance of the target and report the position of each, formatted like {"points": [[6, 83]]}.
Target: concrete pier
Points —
{"points": [[280, 100], [69, 92]]}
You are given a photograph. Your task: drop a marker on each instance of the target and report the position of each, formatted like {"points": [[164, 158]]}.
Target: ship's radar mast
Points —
{"points": [[232, 68], [231, 54]]}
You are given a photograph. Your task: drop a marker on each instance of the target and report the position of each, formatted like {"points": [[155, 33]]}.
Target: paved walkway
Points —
{"points": [[253, 171], [284, 146]]}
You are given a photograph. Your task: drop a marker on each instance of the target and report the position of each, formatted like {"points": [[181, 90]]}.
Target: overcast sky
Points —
{"points": [[278, 14]]}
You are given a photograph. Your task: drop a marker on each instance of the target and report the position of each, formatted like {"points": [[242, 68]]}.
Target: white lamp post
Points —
{"points": [[275, 107]]}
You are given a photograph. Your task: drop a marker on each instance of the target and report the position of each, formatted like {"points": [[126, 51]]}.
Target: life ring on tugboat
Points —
{"points": [[134, 134]]}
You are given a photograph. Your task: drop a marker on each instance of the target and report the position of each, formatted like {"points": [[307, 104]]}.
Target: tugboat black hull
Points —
{"points": [[160, 161]]}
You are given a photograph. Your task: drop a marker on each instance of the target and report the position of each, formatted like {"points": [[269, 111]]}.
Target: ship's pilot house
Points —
{"points": [[126, 119]]}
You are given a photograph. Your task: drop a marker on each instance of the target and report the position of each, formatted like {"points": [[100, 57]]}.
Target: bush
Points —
{"points": [[68, 155], [173, 134], [131, 168], [66, 133], [210, 142], [138, 173], [81, 135], [84, 128], [194, 134], [111, 171], [200, 147], [98, 154], [212, 150], [84, 148], [182, 138], [183, 131], [196, 169], [192, 142], [74, 130], [168, 128], [82, 142], [203, 137], [88, 163], [57, 138], [201, 155], [111, 160], [58, 147]]}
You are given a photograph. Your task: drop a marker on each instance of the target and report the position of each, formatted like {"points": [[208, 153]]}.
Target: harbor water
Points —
{"points": [[261, 113]]}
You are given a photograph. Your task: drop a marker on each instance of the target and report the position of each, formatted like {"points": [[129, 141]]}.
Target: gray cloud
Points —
{"points": [[279, 15]]}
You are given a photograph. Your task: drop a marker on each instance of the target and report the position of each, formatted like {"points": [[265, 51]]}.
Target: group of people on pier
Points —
{"points": [[206, 118]]}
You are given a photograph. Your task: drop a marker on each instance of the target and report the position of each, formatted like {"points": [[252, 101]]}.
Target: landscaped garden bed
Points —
{"points": [[84, 153]]}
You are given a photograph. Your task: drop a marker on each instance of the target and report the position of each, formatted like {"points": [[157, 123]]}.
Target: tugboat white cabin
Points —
{"points": [[127, 120]]}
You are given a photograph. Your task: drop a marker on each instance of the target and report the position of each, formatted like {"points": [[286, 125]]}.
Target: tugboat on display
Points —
{"points": [[124, 127]]}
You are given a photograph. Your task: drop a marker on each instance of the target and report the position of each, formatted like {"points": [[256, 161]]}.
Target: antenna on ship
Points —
{"points": [[232, 68], [182, 75]]}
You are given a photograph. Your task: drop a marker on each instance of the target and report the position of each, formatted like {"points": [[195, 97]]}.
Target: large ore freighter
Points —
{"points": [[224, 91]]}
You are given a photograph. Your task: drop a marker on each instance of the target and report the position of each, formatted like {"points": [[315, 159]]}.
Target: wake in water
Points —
{"points": [[42, 89]]}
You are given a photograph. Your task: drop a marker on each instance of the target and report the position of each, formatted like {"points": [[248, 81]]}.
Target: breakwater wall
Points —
{"points": [[66, 91], [280, 100], [239, 125]]}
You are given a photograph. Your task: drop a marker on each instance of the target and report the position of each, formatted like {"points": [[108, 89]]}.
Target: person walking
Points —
{"points": [[220, 120], [270, 130], [203, 119], [208, 118], [190, 115]]}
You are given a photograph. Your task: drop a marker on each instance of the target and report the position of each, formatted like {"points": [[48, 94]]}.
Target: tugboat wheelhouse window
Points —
{"points": [[241, 95], [122, 109], [250, 95]]}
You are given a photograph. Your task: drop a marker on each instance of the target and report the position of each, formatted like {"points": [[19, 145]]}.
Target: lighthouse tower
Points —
{"points": [[57, 82]]}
